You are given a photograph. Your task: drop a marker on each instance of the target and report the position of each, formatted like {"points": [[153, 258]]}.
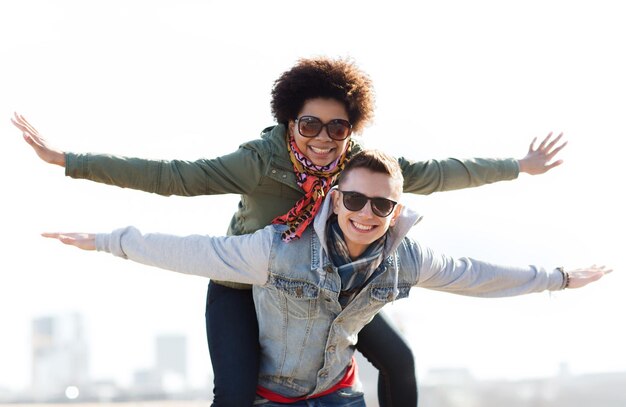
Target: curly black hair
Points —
{"points": [[323, 77]]}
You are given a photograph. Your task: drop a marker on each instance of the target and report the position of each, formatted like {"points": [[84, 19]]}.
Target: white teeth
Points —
{"points": [[362, 227], [320, 150]]}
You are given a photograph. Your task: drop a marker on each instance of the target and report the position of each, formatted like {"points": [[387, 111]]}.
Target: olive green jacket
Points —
{"points": [[262, 173]]}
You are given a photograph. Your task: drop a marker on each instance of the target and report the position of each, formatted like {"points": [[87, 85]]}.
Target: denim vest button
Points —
{"points": [[273, 171], [329, 269], [390, 296], [299, 291], [331, 348], [323, 373]]}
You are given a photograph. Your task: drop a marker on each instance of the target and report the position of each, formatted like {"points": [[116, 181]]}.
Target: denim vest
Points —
{"points": [[307, 339]]}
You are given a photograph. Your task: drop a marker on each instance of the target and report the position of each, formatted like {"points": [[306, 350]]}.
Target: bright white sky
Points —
{"points": [[189, 79]]}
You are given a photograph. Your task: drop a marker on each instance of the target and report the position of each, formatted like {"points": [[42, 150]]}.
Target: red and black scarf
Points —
{"points": [[315, 180]]}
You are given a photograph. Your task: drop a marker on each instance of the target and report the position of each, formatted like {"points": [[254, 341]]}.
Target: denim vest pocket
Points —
{"points": [[298, 296], [385, 294]]}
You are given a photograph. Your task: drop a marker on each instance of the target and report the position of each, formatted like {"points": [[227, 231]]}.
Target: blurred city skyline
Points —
{"points": [[60, 373]]}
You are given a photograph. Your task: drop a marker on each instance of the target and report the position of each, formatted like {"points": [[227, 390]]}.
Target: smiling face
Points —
{"points": [[363, 227], [321, 150]]}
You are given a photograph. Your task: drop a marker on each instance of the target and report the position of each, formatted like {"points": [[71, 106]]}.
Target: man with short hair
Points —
{"points": [[314, 294]]}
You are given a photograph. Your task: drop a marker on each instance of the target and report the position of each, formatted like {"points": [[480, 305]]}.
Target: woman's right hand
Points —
{"points": [[38, 143]]}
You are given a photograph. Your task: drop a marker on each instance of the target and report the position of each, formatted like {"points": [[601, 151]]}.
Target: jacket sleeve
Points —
{"points": [[235, 173], [467, 276], [426, 177], [242, 259]]}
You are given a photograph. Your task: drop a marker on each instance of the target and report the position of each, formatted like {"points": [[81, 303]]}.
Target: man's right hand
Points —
{"points": [[84, 241]]}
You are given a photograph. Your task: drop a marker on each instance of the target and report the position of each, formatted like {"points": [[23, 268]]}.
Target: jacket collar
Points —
{"points": [[275, 135]]}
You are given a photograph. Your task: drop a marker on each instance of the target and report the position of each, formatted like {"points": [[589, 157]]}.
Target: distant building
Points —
{"points": [[564, 390], [5, 394], [449, 377], [169, 375], [171, 362], [59, 356], [171, 354], [148, 385]]}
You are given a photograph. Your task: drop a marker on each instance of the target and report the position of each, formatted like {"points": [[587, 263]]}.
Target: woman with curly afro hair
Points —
{"points": [[323, 78], [282, 177]]}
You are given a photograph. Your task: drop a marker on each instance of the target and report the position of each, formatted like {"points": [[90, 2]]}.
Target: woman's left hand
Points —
{"points": [[538, 160]]}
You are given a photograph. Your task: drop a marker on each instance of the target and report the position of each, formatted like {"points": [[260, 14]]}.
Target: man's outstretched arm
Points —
{"points": [[242, 259]]}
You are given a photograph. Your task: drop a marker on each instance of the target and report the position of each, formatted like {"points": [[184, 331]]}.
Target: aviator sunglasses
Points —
{"points": [[355, 201], [311, 126]]}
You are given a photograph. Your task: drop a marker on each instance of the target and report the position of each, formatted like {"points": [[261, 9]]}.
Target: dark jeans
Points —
{"points": [[340, 398], [384, 347], [233, 337]]}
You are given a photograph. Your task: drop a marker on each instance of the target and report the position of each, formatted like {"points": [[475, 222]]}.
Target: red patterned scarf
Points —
{"points": [[315, 181]]}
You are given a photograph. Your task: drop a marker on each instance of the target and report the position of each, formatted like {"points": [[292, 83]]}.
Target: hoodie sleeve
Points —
{"points": [[242, 259], [467, 276]]}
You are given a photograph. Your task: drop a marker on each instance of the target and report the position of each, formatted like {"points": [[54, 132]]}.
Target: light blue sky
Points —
{"points": [[190, 79]]}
